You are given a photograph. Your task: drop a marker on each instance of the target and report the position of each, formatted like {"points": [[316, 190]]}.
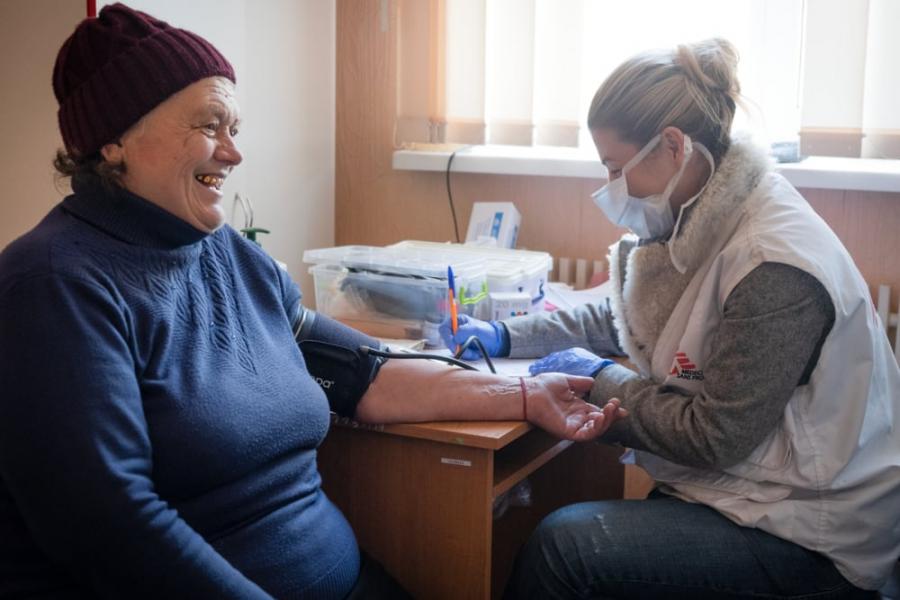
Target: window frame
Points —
{"points": [[820, 172]]}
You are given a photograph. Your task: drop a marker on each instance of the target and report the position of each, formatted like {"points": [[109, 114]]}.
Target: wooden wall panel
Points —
{"points": [[376, 205], [868, 223]]}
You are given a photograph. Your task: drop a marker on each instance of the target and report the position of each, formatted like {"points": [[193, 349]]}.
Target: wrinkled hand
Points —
{"points": [[555, 404], [574, 361], [487, 331]]}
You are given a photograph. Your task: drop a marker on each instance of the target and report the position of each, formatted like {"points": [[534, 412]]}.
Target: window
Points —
{"points": [[523, 72]]}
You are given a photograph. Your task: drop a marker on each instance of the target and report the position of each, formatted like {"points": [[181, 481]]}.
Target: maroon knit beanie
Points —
{"points": [[117, 67]]}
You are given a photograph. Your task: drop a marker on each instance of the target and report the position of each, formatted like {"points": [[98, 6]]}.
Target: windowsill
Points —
{"points": [[823, 172]]}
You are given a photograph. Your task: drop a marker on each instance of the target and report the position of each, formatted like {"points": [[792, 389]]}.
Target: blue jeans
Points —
{"points": [[663, 547]]}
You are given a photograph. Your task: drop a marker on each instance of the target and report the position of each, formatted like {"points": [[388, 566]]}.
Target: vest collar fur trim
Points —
{"points": [[646, 284], [739, 172]]}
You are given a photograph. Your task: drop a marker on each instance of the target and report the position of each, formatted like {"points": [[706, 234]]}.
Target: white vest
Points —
{"points": [[828, 477]]}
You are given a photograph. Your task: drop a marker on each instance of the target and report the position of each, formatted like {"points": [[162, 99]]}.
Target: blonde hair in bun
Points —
{"points": [[693, 87]]}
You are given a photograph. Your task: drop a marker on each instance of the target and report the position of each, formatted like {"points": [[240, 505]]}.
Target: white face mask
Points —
{"points": [[650, 217]]}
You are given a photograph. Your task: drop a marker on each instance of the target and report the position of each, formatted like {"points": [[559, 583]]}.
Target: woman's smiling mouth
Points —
{"points": [[213, 181]]}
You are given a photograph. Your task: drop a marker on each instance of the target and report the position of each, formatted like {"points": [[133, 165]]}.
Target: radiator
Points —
{"points": [[580, 273], [890, 321]]}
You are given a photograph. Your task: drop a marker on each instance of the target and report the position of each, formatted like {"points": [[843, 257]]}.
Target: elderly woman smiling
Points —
{"points": [[158, 425], [182, 151]]}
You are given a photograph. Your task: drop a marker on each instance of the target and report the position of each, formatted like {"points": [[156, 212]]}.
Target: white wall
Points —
{"points": [[283, 52], [290, 126]]}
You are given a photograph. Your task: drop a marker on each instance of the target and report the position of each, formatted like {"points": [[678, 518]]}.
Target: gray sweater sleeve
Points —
{"points": [[775, 322], [589, 326]]}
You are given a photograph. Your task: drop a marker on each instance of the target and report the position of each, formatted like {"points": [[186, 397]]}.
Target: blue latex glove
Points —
{"points": [[489, 332], [574, 361]]}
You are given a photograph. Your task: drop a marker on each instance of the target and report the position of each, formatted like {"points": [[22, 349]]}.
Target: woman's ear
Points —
{"points": [[672, 142], [113, 153]]}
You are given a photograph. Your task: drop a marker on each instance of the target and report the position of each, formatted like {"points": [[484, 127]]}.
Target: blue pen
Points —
{"points": [[451, 297]]}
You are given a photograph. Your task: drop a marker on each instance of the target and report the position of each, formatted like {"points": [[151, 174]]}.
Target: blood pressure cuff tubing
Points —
{"points": [[334, 360]]}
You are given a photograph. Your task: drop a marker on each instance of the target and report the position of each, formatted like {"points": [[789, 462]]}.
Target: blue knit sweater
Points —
{"points": [[158, 428]]}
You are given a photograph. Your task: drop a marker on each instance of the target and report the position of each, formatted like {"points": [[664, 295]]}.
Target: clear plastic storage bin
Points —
{"points": [[394, 292], [507, 270]]}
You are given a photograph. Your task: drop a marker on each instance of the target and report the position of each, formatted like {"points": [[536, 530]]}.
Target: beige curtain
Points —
{"points": [[851, 86], [522, 72]]}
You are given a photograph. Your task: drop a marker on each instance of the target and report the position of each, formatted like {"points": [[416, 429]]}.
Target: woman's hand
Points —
{"points": [[555, 403]]}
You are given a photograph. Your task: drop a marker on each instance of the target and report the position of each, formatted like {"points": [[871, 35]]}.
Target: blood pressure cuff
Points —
{"points": [[390, 294], [334, 360]]}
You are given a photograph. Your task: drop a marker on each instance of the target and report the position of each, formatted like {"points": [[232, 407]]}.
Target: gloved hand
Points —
{"points": [[490, 333], [574, 361]]}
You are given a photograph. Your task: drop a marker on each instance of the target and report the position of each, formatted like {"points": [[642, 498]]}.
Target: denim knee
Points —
{"points": [[553, 563]]}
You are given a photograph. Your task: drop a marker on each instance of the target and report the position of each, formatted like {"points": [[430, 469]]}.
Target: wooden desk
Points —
{"points": [[420, 497]]}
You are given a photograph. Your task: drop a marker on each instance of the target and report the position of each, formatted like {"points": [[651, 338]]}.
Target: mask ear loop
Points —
{"points": [[641, 155], [636, 159], [670, 187], [622, 181], [681, 268]]}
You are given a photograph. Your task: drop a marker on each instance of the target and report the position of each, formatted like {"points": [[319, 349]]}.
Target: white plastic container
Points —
{"points": [[394, 293], [507, 270]]}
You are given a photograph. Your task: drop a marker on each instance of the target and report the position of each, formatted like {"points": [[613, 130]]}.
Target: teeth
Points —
{"points": [[210, 180]]}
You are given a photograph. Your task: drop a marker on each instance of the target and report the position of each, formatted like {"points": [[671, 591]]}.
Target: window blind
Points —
{"points": [[523, 72]]}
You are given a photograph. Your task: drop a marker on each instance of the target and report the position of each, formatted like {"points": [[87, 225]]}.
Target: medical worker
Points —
{"points": [[764, 398]]}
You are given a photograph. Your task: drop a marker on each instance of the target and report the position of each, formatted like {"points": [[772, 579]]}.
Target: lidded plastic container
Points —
{"points": [[507, 270], [394, 292]]}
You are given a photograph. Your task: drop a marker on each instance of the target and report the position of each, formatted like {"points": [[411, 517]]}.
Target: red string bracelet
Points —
{"points": [[524, 399]]}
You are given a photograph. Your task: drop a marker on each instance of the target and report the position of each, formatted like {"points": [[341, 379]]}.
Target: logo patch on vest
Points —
{"points": [[684, 368]]}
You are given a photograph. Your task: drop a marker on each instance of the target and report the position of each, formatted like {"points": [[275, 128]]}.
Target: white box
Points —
{"points": [[509, 304], [497, 220]]}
